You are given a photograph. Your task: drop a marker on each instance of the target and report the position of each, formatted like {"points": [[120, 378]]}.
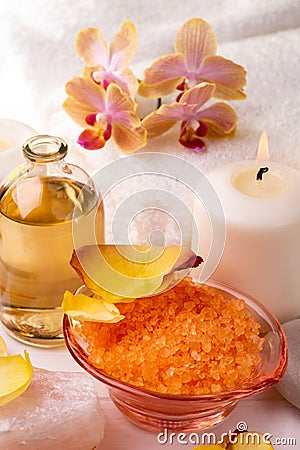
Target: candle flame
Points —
{"points": [[263, 148]]}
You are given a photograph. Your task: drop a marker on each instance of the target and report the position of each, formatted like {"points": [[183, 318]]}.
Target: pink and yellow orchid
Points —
{"points": [[195, 61], [109, 63], [103, 113], [103, 101], [217, 120]]}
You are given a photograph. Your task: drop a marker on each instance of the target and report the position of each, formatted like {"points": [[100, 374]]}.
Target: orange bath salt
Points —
{"points": [[190, 340]]}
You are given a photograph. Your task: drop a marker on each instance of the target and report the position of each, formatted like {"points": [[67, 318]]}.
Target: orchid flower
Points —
{"points": [[109, 63], [103, 113], [195, 61], [218, 119]]}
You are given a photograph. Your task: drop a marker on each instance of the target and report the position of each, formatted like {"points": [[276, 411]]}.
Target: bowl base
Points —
{"points": [[155, 421]]}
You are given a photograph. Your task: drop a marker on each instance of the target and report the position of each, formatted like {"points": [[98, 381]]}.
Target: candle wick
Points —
{"points": [[260, 173]]}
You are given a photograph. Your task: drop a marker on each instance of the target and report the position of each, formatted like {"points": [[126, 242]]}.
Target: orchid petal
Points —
{"points": [[118, 103], [86, 92], [202, 129], [125, 78], [92, 47], [123, 46], [107, 132], [77, 111], [128, 82], [109, 65], [91, 119], [121, 109], [128, 119], [198, 95], [189, 138], [161, 120], [220, 118], [90, 71], [175, 111], [160, 89], [182, 86], [196, 40], [163, 76], [229, 77], [92, 139], [129, 140], [157, 124]]}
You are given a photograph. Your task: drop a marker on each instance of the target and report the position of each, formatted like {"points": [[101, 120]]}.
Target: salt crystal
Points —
{"points": [[59, 410], [170, 372]]}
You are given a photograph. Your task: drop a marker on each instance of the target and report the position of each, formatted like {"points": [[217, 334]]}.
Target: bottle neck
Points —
{"points": [[44, 149]]}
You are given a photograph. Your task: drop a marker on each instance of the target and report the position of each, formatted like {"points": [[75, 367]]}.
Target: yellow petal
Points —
{"points": [[126, 271], [15, 376], [196, 40], [3, 348], [83, 307]]}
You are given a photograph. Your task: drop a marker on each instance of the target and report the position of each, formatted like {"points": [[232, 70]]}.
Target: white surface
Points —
{"points": [[267, 412]]}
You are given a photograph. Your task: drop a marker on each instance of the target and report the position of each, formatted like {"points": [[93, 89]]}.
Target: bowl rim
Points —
{"points": [[76, 352]]}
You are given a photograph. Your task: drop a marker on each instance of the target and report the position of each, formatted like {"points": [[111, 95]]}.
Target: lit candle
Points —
{"points": [[261, 180], [261, 202]]}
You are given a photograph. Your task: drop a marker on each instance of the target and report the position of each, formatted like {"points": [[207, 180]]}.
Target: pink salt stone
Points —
{"points": [[59, 410]]}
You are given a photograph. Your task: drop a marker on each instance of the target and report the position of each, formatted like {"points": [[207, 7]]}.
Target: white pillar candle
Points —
{"points": [[261, 202]]}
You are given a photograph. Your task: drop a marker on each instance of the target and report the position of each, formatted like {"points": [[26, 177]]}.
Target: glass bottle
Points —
{"points": [[39, 203]]}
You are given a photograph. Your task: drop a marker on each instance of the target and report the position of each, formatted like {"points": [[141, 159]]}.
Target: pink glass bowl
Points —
{"points": [[157, 411]]}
